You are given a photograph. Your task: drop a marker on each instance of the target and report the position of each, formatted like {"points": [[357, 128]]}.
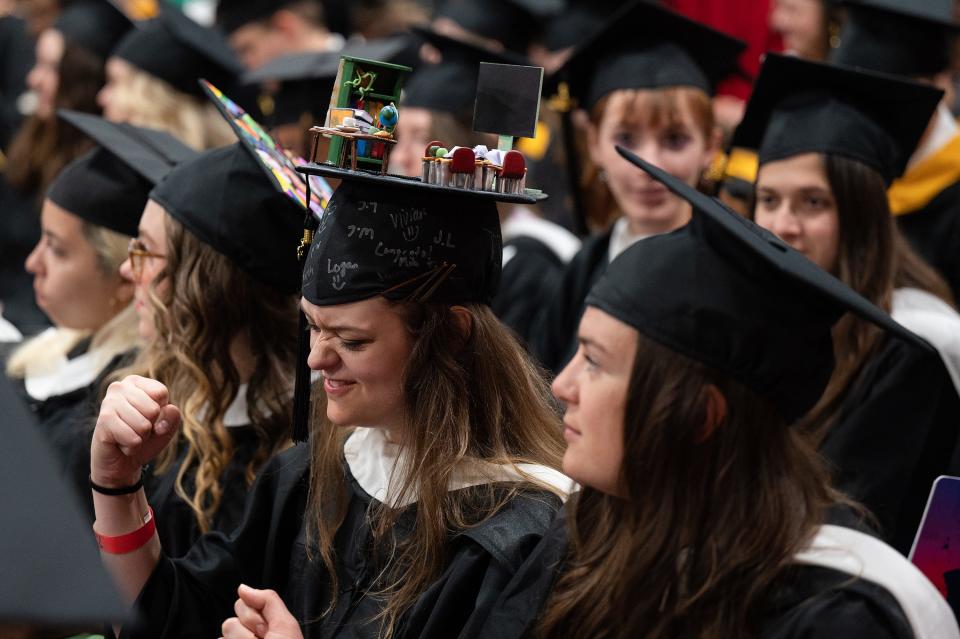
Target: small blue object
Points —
{"points": [[389, 118]]}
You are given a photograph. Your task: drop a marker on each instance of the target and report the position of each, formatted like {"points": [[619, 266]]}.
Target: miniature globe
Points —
{"points": [[389, 117]]}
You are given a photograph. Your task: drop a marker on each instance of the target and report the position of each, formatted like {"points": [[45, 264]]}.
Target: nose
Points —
{"points": [[785, 224], [126, 271], [564, 387], [323, 357], [34, 263], [649, 151], [103, 97]]}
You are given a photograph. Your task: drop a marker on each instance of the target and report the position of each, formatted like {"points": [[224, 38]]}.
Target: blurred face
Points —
{"points": [[68, 280], [801, 23], [593, 388], [256, 44], [681, 148], [143, 268], [119, 73], [795, 202], [361, 349], [413, 136], [44, 77]]}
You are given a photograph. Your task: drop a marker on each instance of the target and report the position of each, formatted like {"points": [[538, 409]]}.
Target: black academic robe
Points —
{"points": [[554, 334], [896, 431], [19, 233], [176, 523], [192, 596], [16, 60], [67, 421], [806, 602], [934, 231], [528, 283]]}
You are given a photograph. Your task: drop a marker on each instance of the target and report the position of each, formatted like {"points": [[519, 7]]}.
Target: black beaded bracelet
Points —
{"points": [[116, 492]]}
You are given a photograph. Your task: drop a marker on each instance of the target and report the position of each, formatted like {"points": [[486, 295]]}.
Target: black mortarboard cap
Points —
{"points": [[95, 25], [234, 14], [108, 185], [578, 20], [646, 46], [730, 294], [450, 86], [513, 23], [306, 79], [179, 51], [52, 573], [225, 198], [799, 106], [903, 37]]}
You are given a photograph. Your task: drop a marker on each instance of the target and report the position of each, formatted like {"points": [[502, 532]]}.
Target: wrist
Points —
{"points": [[113, 482]]}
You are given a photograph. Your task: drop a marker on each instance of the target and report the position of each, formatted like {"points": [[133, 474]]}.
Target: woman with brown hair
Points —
{"points": [[889, 419], [645, 79], [706, 511], [431, 468]]}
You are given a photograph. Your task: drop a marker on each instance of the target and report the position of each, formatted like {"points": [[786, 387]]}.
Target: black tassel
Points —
{"points": [[301, 389]]}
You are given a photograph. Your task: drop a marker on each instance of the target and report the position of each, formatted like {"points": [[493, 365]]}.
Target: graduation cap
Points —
{"points": [[52, 573], [727, 293], [799, 106], [179, 51], [450, 86], [235, 14], [95, 25], [510, 22], [305, 80], [108, 185], [646, 46], [903, 37], [578, 20]]}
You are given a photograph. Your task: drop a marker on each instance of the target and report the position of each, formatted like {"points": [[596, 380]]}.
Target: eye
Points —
{"points": [[591, 363], [676, 140], [354, 344], [624, 138], [767, 200]]}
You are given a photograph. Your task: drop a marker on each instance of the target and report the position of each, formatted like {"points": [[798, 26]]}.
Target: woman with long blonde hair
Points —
{"points": [[431, 467]]}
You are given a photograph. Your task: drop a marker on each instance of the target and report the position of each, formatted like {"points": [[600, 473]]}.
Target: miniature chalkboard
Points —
{"points": [[508, 100]]}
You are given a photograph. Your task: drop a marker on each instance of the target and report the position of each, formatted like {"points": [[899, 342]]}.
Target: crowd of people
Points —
{"points": [[704, 389]]}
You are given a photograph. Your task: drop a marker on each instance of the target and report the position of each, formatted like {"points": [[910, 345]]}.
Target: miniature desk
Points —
{"points": [[351, 149]]}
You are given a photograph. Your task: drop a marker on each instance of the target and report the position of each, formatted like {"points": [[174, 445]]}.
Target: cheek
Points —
{"points": [[595, 458]]}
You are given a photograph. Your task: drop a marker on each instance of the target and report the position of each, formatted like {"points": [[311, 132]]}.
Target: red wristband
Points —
{"points": [[123, 544]]}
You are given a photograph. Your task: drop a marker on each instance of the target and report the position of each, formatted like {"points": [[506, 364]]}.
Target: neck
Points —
{"points": [[646, 228]]}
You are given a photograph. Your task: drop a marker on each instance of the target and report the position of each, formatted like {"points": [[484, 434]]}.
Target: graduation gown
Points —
{"points": [[896, 431], [825, 593], [192, 596]]}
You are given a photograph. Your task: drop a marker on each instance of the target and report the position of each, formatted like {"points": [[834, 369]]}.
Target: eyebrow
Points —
{"points": [[343, 328], [145, 235], [586, 341]]}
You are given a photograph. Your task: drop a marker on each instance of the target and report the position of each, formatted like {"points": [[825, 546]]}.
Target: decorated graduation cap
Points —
{"points": [[108, 185], [510, 22], [646, 46], [799, 106], [450, 86], [95, 25], [727, 293], [903, 37], [304, 81], [235, 14], [52, 573], [179, 51]]}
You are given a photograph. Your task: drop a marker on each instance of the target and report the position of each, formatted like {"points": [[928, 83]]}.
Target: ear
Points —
{"points": [[716, 413], [464, 321]]}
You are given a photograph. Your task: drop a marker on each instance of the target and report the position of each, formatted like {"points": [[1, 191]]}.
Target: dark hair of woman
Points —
{"points": [[873, 259], [42, 147], [708, 522], [466, 396]]}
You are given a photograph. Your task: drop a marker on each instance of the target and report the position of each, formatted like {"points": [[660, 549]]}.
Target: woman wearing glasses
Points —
{"points": [[214, 276]]}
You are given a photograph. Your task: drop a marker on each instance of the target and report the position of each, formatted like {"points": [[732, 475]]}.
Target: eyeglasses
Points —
{"points": [[137, 253]]}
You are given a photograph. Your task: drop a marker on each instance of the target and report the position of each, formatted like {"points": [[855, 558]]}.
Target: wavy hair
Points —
{"points": [[474, 397], [705, 527], [203, 304]]}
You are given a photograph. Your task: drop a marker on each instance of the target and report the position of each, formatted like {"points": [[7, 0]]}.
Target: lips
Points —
{"points": [[336, 387], [570, 433]]}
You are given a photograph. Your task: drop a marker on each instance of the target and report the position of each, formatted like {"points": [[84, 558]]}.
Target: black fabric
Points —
{"points": [[647, 46], [52, 574], [528, 283], [176, 523], [401, 243], [554, 333], [234, 14], [19, 233], [513, 23], [934, 232], [896, 431], [578, 20], [95, 25], [225, 199], [799, 106], [16, 60], [733, 296], [805, 601], [191, 597], [179, 51]]}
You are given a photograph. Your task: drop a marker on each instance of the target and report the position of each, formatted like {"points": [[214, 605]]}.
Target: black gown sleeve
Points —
{"points": [[896, 432], [190, 597], [528, 283], [934, 232]]}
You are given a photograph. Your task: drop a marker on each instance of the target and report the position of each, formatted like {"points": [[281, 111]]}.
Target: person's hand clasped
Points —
{"points": [[136, 422], [261, 614]]}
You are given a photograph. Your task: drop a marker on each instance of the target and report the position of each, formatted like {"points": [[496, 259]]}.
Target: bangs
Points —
{"points": [[657, 108]]}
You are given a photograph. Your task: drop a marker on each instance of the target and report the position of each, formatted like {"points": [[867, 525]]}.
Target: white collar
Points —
{"points": [[524, 223], [944, 129], [935, 321], [372, 460], [621, 238], [8, 332], [868, 558], [62, 375], [237, 413]]}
